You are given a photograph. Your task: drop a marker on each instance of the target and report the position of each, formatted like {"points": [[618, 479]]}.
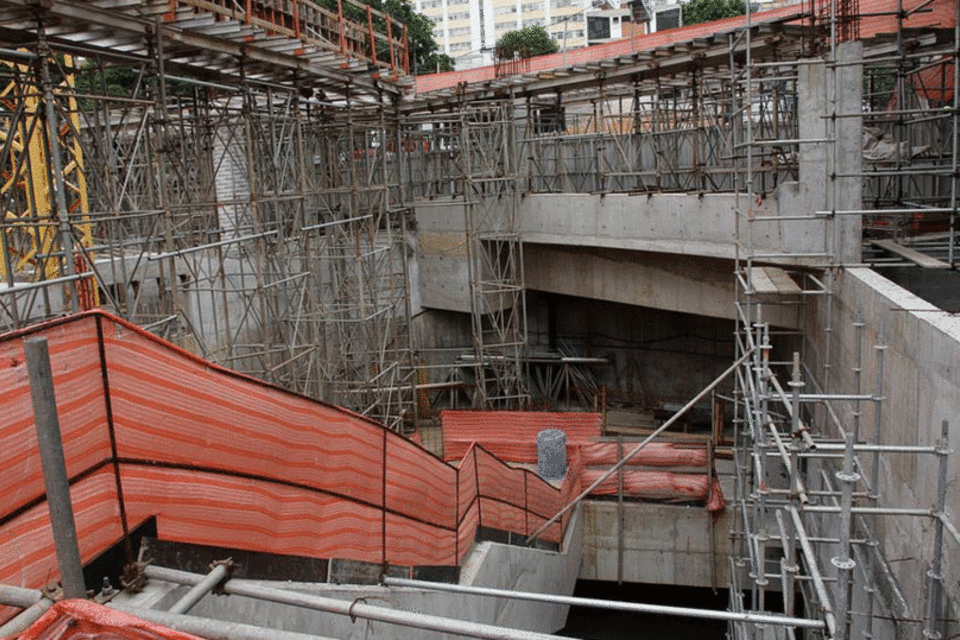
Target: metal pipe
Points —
{"points": [[355, 609], [950, 528], [635, 607], [934, 624], [666, 425], [19, 597], [210, 245], [54, 467], [196, 593], [814, 570], [29, 286], [209, 628], [843, 562], [22, 621]]}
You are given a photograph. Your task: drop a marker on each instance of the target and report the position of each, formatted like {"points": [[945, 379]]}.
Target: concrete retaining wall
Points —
{"points": [[489, 565], [921, 388], [664, 544]]}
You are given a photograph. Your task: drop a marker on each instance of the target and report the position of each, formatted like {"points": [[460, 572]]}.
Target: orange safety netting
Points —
{"points": [[222, 459], [661, 485], [85, 620], [512, 436], [655, 454]]}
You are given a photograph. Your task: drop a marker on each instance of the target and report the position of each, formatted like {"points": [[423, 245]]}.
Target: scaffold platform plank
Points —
{"points": [[772, 280], [914, 256]]}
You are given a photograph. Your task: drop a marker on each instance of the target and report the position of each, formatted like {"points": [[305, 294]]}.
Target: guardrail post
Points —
{"points": [[373, 42]]}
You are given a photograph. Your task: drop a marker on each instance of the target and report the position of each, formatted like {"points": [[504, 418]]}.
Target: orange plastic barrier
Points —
{"points": [[219, 458]]}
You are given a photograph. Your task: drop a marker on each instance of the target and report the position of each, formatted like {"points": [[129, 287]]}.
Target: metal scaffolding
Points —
{"points": [[244, 206], [810, 511], [243, 184]]}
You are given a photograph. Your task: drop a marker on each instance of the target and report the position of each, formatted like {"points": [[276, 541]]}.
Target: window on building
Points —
{"points": [[598, 28], [668, 19]]}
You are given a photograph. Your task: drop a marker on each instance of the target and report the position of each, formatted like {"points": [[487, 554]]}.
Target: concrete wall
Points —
{"points": [[921, 388], [664, 544], [489, 565]]}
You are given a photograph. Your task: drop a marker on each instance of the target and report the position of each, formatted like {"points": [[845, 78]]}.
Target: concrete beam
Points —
{"points": [[687, 284]]}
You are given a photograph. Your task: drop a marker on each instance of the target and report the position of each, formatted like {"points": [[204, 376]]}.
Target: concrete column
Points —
{"points": [[827, 95], [849, 155]]}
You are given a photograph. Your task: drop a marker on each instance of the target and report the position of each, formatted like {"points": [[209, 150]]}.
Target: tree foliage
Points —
{"points": [[527, 43], [698, 11]]}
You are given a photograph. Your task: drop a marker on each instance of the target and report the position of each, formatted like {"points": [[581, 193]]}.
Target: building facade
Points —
{"points": [[468, 30]]}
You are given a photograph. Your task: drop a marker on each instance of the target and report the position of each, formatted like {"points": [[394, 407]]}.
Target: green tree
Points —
{"points": [[528, 42], [698, 11]]}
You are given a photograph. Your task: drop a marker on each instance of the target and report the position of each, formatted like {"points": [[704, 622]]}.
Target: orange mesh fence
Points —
{"points": [[225, 460], [655, 454], [507, 516], [467, 532], [431, 496], [231, 511], [413, 542], [27, 552], [512, 435], [179, 410], [660, 485], [85, 620], [76, 377], [506, 494], [572, 486]]}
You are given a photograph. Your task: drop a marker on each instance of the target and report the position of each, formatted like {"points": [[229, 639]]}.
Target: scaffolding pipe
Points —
{"points": [[934, 624], [199, 590], [666, 425], [634, 607], [209, 628], [54, 467], [19, 597], [816, 578], [355, 609], [22, 621], [843, 562]]}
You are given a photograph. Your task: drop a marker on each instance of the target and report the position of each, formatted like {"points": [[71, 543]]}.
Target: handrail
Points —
{"points": [[305, 20]]}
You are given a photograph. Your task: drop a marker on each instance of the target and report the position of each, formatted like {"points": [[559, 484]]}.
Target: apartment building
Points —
{"points": [[468, 30]]}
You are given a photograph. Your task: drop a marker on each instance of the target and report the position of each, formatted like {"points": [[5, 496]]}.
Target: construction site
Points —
{"points": [[283, 326]]}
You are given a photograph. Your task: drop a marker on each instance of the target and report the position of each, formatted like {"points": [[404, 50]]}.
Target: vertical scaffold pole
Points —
{"points": [[54, 467], [934, 624]]}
